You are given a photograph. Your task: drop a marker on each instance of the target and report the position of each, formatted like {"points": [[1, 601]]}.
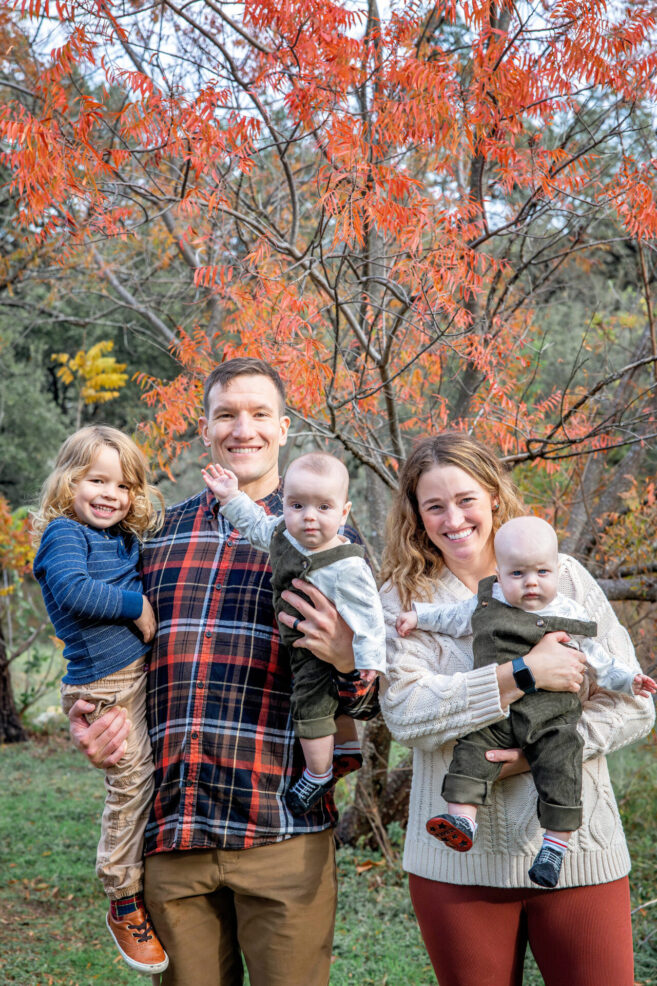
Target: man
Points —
{"points": [[228, 869]]}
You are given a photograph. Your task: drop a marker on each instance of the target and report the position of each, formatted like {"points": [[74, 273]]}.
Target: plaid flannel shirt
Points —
{"points": [[219, 690]]}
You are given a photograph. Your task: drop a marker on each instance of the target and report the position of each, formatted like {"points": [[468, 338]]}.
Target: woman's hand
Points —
{"points": [[513, 759], [555, 667], [104, 741], [325, 633]]}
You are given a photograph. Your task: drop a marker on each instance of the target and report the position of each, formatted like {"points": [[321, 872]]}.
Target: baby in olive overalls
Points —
{"points": [[306, 543], [507, 617]]}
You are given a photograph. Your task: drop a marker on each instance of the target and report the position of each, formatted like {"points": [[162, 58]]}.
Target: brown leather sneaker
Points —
{"points": [[137, 942]]}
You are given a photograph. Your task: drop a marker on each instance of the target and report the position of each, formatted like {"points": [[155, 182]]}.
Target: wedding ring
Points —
{"points": [[296, 623]]}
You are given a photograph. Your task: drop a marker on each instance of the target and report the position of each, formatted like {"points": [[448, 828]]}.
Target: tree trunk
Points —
{"points": [[11, 728], [381, 796]]}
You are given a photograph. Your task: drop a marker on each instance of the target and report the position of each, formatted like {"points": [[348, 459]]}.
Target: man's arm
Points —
{"points": [[329, 638], [324, 631]]}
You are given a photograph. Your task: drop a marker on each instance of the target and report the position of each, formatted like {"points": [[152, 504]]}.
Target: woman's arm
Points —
{"points": [[433, 695], [610, 720]]}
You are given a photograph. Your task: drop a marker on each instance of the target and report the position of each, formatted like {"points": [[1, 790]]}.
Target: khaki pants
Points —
{"points": [[128, 785], [274, 903]]}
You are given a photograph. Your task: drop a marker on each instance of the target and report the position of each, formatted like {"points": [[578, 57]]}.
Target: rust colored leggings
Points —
{"points": [[477, 936]]}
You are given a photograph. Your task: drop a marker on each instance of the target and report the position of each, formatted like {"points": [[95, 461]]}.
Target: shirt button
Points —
{"points": [[194, 735], [540, 623], [217, 585], [208, 633], [199, 684]]}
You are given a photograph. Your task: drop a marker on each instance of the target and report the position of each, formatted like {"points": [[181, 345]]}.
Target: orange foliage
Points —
{"points": [[355, 190]]}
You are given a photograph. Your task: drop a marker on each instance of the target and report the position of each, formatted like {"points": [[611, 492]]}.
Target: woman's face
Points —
{"points": [[457, 513]]}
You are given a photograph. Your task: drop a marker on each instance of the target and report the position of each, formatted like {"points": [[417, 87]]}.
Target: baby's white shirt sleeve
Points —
{"points": [[251, 520], [609, 673], [350, 585], [454, 620]]}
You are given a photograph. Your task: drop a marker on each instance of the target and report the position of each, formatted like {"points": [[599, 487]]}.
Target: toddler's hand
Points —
{"points": [[146, 623], [644, 686], [406, 622], [222, 482]]}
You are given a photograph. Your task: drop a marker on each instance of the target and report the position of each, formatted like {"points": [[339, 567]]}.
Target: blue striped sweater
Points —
{"points": [[92, 591]]}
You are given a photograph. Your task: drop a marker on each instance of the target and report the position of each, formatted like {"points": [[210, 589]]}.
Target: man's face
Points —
{"points": [[244, 430]]}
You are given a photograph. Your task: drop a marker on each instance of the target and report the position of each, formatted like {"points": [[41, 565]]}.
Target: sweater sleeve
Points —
{"points": [[253, 523], [610, 720], [432, 693], [62, 564]]}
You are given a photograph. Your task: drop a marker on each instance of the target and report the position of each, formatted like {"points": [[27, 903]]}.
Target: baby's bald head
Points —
{"points": [[526, 535], [322, 465]]}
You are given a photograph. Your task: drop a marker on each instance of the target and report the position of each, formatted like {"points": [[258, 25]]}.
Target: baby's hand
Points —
{"points": [[222, 482], [644, 686], [146, 623], [406, 622]]}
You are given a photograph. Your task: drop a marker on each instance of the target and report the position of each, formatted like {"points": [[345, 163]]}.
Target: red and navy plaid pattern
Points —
{"points": [[219, 690]]}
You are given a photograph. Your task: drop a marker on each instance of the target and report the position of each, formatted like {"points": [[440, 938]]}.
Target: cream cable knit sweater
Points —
{"points": [[433, 696]]}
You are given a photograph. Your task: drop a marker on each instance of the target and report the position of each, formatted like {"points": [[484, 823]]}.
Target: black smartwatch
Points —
{"points": [[523, 677]]}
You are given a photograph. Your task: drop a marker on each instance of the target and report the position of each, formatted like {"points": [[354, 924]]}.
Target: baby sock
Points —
{"points": [[554, 843], [349, 748], [472, 825], [318, 778]]}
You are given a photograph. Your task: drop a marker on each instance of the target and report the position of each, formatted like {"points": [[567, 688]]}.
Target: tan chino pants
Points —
{"points": [[274, 903]]}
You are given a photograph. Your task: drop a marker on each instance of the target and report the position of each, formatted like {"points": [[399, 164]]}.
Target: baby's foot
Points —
{"points": [[456, 831]]}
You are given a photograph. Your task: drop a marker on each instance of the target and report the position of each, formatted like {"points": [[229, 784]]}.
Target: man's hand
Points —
{"points": [[104, 741], [324, 631], [222, 482], [146, 623]]}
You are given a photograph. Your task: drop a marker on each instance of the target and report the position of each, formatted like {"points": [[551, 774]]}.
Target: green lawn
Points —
{"points": [[52, 929]]}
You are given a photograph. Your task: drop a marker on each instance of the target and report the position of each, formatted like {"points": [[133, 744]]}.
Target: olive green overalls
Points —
{"points": [[314, 699], [543, 724]]}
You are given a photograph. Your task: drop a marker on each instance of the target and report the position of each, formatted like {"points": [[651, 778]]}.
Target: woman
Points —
{"points": [[478, 910]]}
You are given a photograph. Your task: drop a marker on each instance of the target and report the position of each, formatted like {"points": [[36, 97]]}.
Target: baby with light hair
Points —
{"points": [[306, 543], [509, 615]]}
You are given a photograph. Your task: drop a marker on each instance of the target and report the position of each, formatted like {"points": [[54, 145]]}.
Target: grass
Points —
{"points": [[52, 912]]}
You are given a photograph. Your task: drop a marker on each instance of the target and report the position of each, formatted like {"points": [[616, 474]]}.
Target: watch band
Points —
{"points": [[523, 677]]}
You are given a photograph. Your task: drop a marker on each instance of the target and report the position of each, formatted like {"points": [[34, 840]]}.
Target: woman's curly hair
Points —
{"points": [[411, 562], [75, 458]]}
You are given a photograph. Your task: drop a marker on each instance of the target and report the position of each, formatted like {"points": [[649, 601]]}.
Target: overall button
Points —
{"points": [[484, 603], [540, 623]]}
